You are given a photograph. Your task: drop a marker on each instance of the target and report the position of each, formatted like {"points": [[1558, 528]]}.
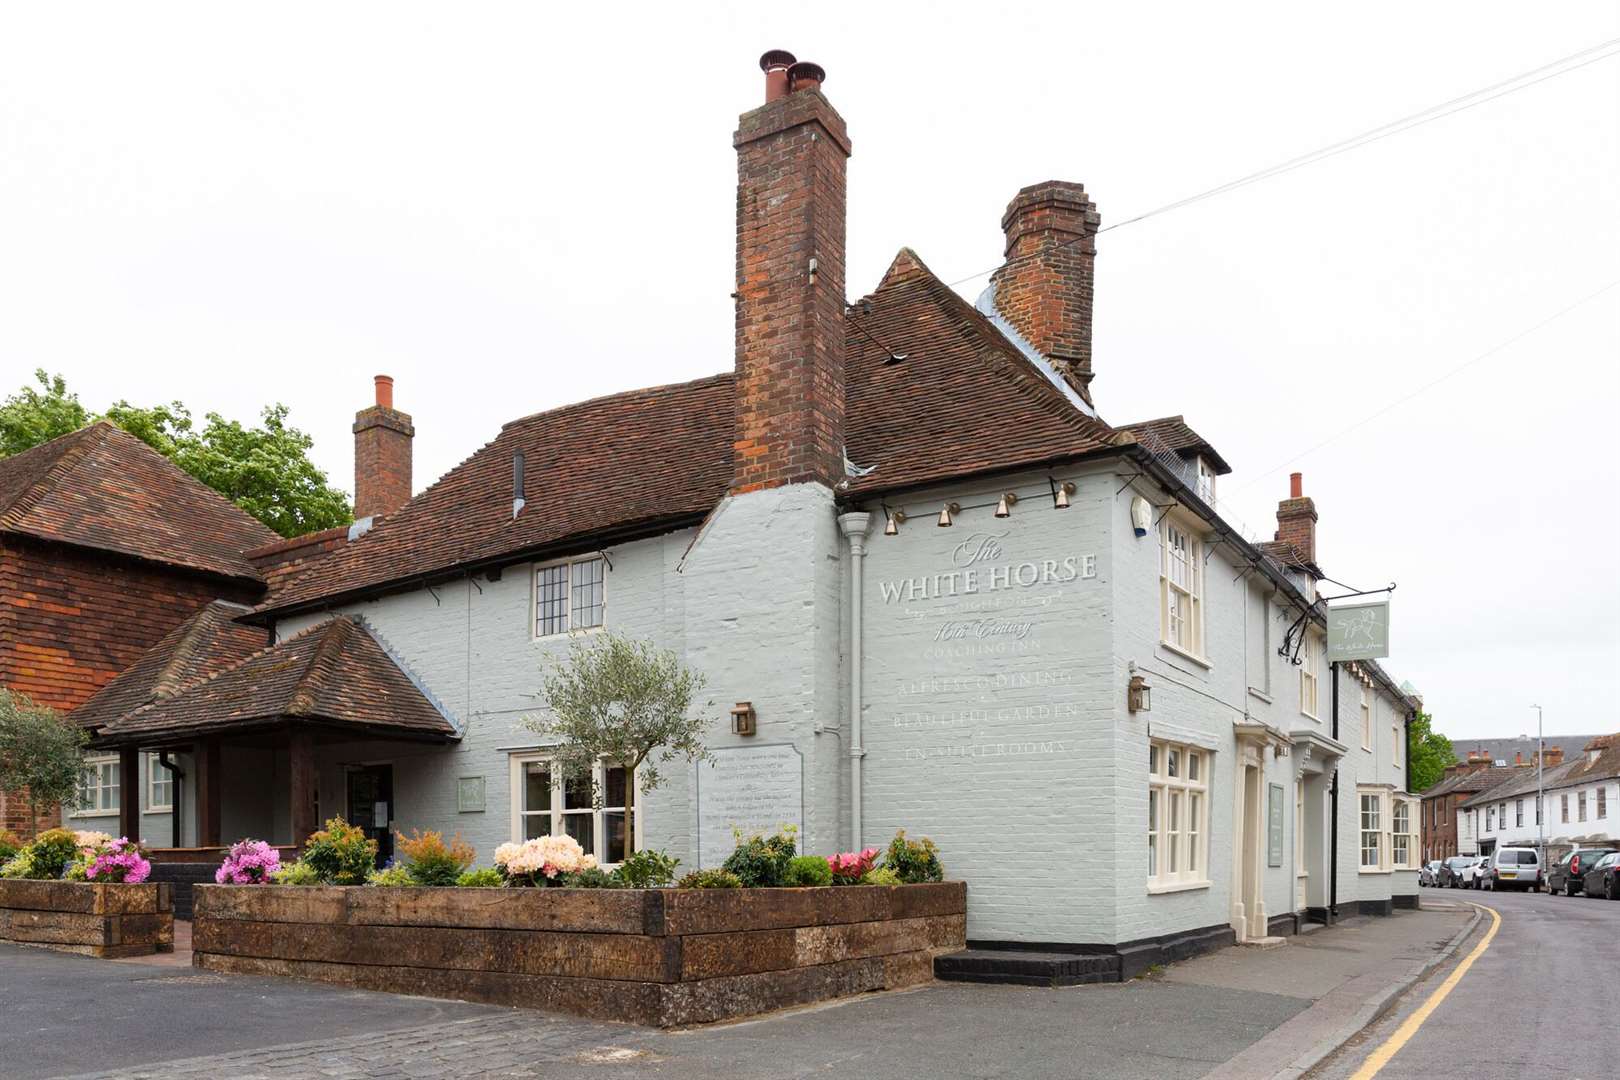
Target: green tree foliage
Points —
{"points": [[264, 469], [622, 701], [41, 752], [1429, 752]]}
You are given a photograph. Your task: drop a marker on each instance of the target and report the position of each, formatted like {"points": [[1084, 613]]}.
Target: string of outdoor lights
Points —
{"points": [[895, 516]]}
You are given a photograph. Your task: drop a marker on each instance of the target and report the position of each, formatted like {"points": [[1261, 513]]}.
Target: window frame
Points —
{"points": [[154, 770], [1367, 716], [558, 811], [1601, 810], [1377, 833], [1184, 841], [1580, 806], [1400, 838], [1396, 738], [1193, 589], [569, 585], [96, 764], [1204, 481], [1563, 809], [1310, 679], [1518, 813]]}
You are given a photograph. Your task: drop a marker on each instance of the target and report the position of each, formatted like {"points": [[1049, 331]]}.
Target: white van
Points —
{"points": [[1513, 868]]}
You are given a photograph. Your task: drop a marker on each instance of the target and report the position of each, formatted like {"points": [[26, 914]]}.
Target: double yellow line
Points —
{"points": [[1404, 1033]]}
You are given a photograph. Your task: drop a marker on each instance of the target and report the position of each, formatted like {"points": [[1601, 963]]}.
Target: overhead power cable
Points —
{"points": [[1522, 81], [1431, 384]]}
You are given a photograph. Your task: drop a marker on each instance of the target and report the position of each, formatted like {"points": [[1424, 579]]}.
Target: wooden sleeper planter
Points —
{"points": [[93, 919], [660, 957]]}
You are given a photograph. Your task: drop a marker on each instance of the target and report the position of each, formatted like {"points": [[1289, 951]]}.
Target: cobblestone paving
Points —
{"points": [[518, 1045]]}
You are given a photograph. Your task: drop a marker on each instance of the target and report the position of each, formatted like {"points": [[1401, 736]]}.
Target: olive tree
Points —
{"points": [[622, 701], [41, 752]]}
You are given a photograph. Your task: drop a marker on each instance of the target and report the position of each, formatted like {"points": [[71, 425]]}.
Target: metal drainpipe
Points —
{"points": [[855, 527], [1333, 865], [178, 777]]}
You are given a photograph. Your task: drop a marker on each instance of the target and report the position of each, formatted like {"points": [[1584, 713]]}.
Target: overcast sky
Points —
{"points": [[513, 206]]}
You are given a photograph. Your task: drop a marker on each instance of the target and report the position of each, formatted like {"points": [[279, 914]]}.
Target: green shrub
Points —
{"points": [[340, 854], [913, 861], [760, 861], [647, 870], [52, 852], [487, 878], [807, 870], [395, 876], [430, 861], [15, 867], [709, 879], [10, 844], [592, 877], [881, 875], [296, 873]]}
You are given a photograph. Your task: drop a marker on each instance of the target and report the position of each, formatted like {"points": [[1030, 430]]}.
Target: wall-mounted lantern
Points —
{"points": [[1141, 516], [742, 718], [1139, 695]]}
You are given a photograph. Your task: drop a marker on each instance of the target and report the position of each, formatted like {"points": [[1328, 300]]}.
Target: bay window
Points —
{"points": [[1181, 588], [570, 595], [543, 804], [1178, 816], [1402, 841]]}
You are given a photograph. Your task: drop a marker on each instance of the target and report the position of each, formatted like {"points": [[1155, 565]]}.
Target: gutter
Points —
{"points": [[1333, 858], [179, 777]]}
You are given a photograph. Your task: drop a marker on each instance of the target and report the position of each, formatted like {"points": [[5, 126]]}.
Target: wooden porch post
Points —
{"points": [[129, 792], [303, 785], [208, 788]]}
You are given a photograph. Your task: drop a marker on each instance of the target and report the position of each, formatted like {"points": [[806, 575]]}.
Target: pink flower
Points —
{"points": [[249, 862]]}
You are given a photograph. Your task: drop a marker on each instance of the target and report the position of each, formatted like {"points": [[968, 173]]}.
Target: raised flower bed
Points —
{"points": [[108, 920], [660, 957]]}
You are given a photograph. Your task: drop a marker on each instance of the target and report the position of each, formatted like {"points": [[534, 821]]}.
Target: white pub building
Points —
{"points": [[937, 589]]}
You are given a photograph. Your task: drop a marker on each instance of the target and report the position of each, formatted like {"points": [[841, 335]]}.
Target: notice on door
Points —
{"points": [[751, 788]]}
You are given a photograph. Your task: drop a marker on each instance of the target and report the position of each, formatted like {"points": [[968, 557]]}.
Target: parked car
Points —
{"points": [[1604, 877], [1471, 874], [1430, 874], [1451, 871], [1566, 873], [1513, 868]]}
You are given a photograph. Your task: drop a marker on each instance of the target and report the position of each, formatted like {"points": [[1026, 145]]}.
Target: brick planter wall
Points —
{"points": [[97, 920], [661, 957]]}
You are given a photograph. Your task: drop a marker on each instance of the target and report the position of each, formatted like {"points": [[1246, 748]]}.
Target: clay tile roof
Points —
{"points": [[1171, 433], [103, 488], [963, 401], [203, 645], [335, 673], [661, 455]]}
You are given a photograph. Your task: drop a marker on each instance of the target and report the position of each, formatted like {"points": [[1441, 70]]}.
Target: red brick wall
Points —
{"points": [[791, 157], [72, 619], [1046, 287]]}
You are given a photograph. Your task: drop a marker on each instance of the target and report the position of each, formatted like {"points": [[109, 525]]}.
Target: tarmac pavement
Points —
{"points": [[1240, 1005]]}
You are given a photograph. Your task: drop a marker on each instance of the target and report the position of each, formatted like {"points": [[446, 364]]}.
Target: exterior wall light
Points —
{"points": [[1061, 493], [950, 511], [1141, 516], [1004, 507], [743, 720], [1139, 695], [897, 518]]}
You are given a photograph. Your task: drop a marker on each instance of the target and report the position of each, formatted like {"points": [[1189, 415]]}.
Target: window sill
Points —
{"points": [[1186, 654], [1260, 695], [564, 635], [1368, 870], [1312, 717], [93, 813], [1176, 886], [158, 810]]}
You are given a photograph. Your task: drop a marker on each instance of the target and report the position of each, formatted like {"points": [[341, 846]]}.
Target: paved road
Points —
{"points": [[75, 1015], [1547, 982]]}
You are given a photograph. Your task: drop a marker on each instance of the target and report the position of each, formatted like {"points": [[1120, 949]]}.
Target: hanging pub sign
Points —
{"points": [[1358, 631]]}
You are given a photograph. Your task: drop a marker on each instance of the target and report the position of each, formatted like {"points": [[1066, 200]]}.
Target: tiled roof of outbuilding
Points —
{"points": [[102, 488], [964, 401], [207, 643], [335, 674]]}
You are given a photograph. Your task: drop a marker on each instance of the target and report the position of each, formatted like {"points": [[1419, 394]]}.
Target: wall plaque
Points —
{"points": [[752, 788]]}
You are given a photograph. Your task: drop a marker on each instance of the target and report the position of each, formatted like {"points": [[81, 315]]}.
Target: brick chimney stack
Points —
{"points": [[1551, 756], [382, 455], [791, 157], [1045, 287], [1296, 519]]}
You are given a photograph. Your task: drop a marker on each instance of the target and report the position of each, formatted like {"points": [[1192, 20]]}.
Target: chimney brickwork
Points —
{"points": [[1045, 288], [382, 455], [791, 158], [1296, 520]]}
